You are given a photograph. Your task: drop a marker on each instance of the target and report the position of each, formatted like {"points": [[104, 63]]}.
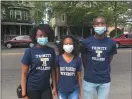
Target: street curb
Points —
{"points": [[12, 53]]}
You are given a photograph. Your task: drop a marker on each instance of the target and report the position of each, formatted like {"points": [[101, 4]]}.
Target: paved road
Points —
{"points": [[121, 73]]}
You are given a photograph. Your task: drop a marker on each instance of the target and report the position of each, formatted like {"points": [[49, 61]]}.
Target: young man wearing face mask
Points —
{"points": [[97, 56], [69, 68]]}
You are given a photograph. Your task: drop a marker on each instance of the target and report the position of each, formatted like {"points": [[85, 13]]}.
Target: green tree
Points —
{"points": [[79, 12], [83, 12], [39, 9]]}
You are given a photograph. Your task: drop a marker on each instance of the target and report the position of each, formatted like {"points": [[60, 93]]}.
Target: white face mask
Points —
{"points": [[68, 48]]}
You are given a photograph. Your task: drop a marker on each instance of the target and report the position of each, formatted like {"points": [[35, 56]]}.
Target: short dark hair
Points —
{"points": [[99, 17], [44, 28], [76, 45]]}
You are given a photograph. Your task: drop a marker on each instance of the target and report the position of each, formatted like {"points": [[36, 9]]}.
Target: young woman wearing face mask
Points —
{"points": [[38, 64], [69, 69]]}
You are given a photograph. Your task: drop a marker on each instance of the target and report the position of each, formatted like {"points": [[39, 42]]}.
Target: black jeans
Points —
{"points": [[41, 94]]}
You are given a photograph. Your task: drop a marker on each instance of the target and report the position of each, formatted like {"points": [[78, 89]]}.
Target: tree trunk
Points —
{"points": [[115, 17], [68, 29], [67, 23]]}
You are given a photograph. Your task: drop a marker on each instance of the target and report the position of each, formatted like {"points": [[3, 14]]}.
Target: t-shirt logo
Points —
{"points": [[44, 60], [67, 71], [98, 53]]}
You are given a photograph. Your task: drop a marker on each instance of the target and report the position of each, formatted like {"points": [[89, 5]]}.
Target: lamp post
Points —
{"points": [[48, 13]]}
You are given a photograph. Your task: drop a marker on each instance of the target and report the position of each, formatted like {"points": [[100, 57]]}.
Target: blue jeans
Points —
{"points": [[71, 95], [89, 90]]}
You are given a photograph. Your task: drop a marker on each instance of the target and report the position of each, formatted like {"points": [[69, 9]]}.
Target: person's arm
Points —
{"points": [[53, 75], [111, 58], [57, 74], [79, 77], [83, 55], [24, 73], [113, 52], [26, 61], [54, 82]]}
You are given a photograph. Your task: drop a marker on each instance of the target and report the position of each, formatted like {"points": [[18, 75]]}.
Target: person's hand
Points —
{"points": [[54, 92], [26, 97]]}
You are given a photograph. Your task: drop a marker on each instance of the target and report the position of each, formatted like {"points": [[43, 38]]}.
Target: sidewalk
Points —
{"points": [[2, 46]]}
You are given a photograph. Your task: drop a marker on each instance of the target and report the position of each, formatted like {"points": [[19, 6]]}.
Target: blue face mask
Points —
{"points": [[100, 30], [42, 41]]}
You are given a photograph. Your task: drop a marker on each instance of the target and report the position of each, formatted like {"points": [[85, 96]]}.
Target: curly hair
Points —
{"points": [[76, 45], [44, 28]]}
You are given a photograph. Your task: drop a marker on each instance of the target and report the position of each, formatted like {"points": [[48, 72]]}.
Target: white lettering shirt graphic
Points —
{"points": [[67, 71], [98, 51], [44, 58]]}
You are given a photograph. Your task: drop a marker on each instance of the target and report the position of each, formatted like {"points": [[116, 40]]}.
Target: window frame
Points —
{"points": [[24, 30], [20, 37], [11, 14], [20, 12], [13, 30], [126, 36], [129, 36], [26, 37], [25, 14], [63, 18]]}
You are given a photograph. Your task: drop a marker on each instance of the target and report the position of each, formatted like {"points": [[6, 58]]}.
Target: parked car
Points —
{"points": [[57, 42], [123, 40], [23, 40]]}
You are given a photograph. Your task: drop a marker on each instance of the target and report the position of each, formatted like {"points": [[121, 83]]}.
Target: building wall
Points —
{"points": [[18, 18], [60, 26], [60, 19], [13, 9]]}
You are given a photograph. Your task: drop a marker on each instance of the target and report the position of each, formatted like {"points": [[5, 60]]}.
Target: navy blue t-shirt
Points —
{"points": [[41, 62], [68, 73], [98, 52]]}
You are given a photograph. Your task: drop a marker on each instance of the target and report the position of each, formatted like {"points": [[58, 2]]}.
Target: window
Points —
{"points": [[25, 15], [23, 30], [130, 36], [11, 14], [126, 36], [19, 38], [26, 38], [63, 17], [13, 30], [18, 14]]}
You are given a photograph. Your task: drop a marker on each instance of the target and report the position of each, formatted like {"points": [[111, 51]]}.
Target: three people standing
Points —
{"points": [[97, 53]]}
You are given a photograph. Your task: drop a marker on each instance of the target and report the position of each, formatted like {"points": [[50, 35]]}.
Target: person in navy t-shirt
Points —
{"points": [[96, 56], [38, 63], [69, 67]]}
